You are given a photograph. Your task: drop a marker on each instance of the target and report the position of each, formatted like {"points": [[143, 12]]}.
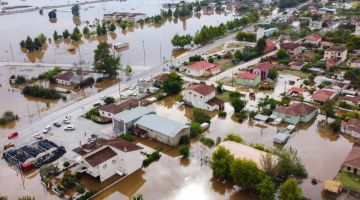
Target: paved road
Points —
{"points": [[30, 64], [78, 108]]}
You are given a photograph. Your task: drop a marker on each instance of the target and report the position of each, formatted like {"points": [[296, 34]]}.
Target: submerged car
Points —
{"points": [[69, 128], [47, 129]]}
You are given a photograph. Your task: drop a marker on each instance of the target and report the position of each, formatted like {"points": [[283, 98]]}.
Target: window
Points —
{"points": [[113, 161], [348, 168], [104, 166], [200, 96]]}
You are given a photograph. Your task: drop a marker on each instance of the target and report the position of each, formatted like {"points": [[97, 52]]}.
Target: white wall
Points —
{"points": [[197, 100]]}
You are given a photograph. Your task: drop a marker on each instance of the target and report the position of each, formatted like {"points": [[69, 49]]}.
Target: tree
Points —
{"points": [[75, 10], [173, 84], [112, 27], [234, 137], [221, 160], [52, 14], [328, 108], [181, 40], [184, 151], [289, 164], [282, 54], [238, 104], [104, 62], [48, 170], [267, 162], [195, 129], [76, 35], [335, 125], [109, 100], [86, 30], [273, 74], [137, 197], [98, 30], [285, 100], [238, 55], [260, 46], [169, 12], [66, 164], [200, 116], [266, 189], [103, 29], [128, 70], [80, 188], [290, 190], [246, 174], [66, 34], [56, 36]]}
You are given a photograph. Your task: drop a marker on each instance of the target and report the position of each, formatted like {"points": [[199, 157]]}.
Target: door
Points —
{"points": [[355, 170]]}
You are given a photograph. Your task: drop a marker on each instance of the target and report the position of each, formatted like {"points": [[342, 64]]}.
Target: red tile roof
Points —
{"points": [[202, 89], [296, 109], [270, 45], [336, 48], [290, 45], [66, 76], [330, 63], [202, 65], [353, 99], [297, 90], [161, 77], [247, 75], [353, 157], [215, 101], [313, 37], [323, 95], [115, 108], [264, 66], [295, 63], [326, 43], [100, 156]]}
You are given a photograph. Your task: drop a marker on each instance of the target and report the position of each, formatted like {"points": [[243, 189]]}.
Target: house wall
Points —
{"points": [[193, 72], [312, 42], [109, 168], [130, 161], [248, 82], [172, 141], [296, 119], [295, 51], [63, 82], [197, 100], [315, 25], [106, 114], [351, 169], [357, 29], [355, 65], [309, 117], [335, 55], [347, 130]]}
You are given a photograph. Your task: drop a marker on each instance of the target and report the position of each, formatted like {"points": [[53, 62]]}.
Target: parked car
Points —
{"points": [[97, 105], [57, 124], [13, 135], [69, 128], [67, 117], [65, 121], [47, 129], [95, 135], [37, 136]]}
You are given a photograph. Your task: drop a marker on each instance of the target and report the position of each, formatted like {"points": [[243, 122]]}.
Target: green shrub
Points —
{"points": [[195, 129], [200, 116], [41, 92], [235, 138], [184, 139], [151, 158], [222, 114], [66, 164], [80, 188], [207, 141], [127, 136], [184, 151]]}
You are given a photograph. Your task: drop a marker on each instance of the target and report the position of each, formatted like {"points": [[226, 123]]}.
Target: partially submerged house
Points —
{"points": [[337, 53], [202, 96], [242, 151], [110, 110], [352, 161], [291, 48], [351, 127], [202, 68], [247, 79], [262, 70], [296, 112], [105, 158]]}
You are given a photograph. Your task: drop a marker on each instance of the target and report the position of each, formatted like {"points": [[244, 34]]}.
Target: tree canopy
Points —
{"points": [[220, 162], [173, 84], [104, 62], [290, 190]]}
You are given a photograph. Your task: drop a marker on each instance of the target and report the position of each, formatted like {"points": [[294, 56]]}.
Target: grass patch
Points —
{"points": [[207, 141], [298, 73], [349, 180], [224, 63], [234, 45], [215, 49]]}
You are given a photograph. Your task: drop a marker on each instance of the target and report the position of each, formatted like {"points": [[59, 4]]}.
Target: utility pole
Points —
{"points": [[81, 74], [27, 105], [37, 104], [144, 52], [160, 55]]}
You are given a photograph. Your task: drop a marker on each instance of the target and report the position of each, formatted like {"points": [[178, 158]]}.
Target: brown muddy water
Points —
{"points": [[174, 178]]}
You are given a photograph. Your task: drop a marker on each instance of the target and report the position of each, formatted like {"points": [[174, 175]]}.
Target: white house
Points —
{"points": [[261, 32], [337, 53], [202, 96], [110, 110], [351, 127], [357, 29], [105, 158], [202, 68], [66, 78], [124, 121], [352, 161], [355, 63]]}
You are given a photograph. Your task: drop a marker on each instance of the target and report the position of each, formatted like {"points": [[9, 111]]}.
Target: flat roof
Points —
{"points": [[133, 114], [261, 117], [246, 152], [281, 137], [161, 124]]}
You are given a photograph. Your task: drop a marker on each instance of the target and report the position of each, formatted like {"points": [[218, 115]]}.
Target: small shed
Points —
{"points": [[332, 186], [281, 138], [260, 117]]}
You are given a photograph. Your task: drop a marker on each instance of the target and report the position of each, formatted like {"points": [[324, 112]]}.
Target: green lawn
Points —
{"points": [[225, 96], [298, 73], [349, 180]]}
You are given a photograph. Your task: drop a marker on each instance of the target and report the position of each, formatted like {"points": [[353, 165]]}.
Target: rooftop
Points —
{"points": [[202, 89], [297, 90], [296, 109], [264, 66], [247, 75], [100, 156], [161, 124], [202, 65], [245, 152], [161, 77], [133, 114], [120, 106], [67, 76], [353, 157], [352, 124], [336, 48], [313, 37], [323, 95], [290, 45]]}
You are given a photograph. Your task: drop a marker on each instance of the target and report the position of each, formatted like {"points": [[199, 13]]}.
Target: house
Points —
{"points": [[296, 112], [315, 24], [337, 53], [270, 46], [160, 79], [124, 121], [352, 100], [202, 68], [242, 151], [312, 39], [326, 44], [357, 29], [105, 158], [66, 78], [351, 127], [352, 161], [355, 63], [296, 65], [162, 129], [291, 48], [297, 90], [248, 79], [331, 63], [262, 70], [323, 95], [110, 110], [202, 96], [261, 32], [133, 17]]}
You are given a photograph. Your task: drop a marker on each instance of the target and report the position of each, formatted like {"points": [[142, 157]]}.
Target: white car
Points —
{"points": [[66, 121], [47, 129], [37, 136], [69, 128]]}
